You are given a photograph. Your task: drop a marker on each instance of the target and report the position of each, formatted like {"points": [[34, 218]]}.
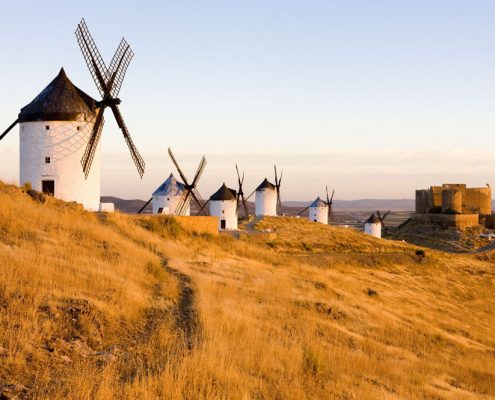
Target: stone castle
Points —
{"points": [[453, 204]]}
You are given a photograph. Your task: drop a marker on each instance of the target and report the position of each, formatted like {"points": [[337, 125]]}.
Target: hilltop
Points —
{"points": [[98, 306]]}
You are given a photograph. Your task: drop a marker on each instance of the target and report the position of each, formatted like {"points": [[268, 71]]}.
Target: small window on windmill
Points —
{"points": [[47, 160], [78, 128], [223, 211], [168, 198], [47, 127]]}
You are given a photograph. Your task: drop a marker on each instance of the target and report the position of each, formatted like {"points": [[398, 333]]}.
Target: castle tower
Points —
{"points": [[266, 199], [373, 226], [452, 201], [318, 211], [167, 196], [54, 131]]}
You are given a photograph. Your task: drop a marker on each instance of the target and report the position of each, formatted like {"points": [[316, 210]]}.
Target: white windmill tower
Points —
{"points": [[318, 211], [61, 128], [267, 197], [373, 225], [167, 196], [223, 204]]}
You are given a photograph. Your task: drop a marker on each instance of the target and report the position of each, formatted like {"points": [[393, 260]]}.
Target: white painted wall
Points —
{"points": [[65, 146], [318, 214], [226, 210], [266, 202], [170, 203], [106, 207], [373, 229]]}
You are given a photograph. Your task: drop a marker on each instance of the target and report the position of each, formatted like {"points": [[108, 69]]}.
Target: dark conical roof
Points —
{"points": [[318, 203], [265, 185], [224, 193], [59, 101], [373, 219]]}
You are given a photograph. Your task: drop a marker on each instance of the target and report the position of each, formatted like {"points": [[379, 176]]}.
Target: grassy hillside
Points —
{"points": [[135, 307]]}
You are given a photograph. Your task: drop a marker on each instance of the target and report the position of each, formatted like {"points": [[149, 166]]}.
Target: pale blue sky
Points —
{"points": [[374, 98]]}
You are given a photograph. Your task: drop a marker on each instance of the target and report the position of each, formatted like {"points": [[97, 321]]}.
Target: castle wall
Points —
{"points": [[449, 220]]}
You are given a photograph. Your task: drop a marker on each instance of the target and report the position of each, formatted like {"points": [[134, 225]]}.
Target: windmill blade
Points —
{"points": [[199, 172], [385, 215], [253, 192], [280, 179], [197, 197], [203, 208], [138, 160], [239, 175], [328, 199], [379, 215], [183, 177], [357, 218], [118, 67], [93, 58], [279, 200], [89, 153], [145, 204], [331, 198], [240, 193], [331, 216], [183, 202], [276, 179], [244, 205], [304, 210], [9, 129]]}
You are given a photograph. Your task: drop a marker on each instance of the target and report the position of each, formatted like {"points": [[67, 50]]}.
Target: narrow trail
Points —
{"points": [[186, 315]]}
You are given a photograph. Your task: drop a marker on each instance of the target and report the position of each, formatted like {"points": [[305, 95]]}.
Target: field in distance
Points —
{"points": [[122, 306]]}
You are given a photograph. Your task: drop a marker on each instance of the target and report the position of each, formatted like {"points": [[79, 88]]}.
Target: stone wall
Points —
{"points": [[449, 220], [454, 198]]}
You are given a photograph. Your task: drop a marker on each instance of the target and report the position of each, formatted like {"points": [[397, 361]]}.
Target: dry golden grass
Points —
{"points": [[315, 312]]}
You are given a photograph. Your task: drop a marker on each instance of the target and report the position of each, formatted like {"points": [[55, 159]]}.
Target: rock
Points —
{"points": [[11, 391]]}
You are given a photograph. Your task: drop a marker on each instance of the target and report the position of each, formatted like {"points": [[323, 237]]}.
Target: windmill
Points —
{"points": [[320, 210], [240, 193], [189, 189], [108, 81]]}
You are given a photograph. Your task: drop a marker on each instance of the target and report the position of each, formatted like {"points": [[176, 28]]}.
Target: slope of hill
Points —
{"points": [[117, 306]]}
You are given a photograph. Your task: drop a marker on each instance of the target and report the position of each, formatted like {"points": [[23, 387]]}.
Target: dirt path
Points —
{"points": [[186, 315]]}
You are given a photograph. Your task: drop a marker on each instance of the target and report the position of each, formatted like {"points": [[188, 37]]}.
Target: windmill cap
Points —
{"points": [[224, 193], [265, 185], [170, 187], [373, 219], [61, 100], [318, 203]]}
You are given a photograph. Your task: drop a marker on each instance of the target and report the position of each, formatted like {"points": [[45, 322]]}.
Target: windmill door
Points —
{"points": [[222, 224], [48, 187]]}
